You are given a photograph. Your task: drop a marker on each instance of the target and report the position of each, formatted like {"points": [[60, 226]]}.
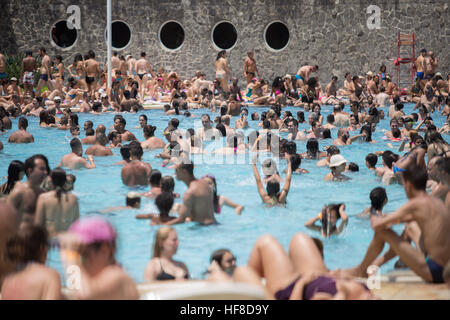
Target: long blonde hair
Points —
{"points": [[161, 235]]}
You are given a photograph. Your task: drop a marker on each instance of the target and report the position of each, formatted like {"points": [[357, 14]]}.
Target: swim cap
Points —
{"points": [[93, 229]]}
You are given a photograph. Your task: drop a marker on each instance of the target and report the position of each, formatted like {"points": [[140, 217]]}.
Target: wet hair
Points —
{"points": [[300, 116], [417, 176], [149, 130], [396, 133], [75, 143], [353, 167], [326, 133], [43, 116], [254, 114], [333, 150], [296, 161], [164, 202], [14, 170], [372, 160], [27, 245], [74, 119], [330, 118], [23, 122], [132, 201], [388, 158], [125, 152], [167, 184], [367, 128], [59, 179], [273, 188], [291, 148], [189, 167], [443, 164], [222, 129], [89, 132], [312, 147], [136, 150], [155, 178], [324, 219], [218, 256], [266, 124], [30, 163], [90, 123], [377, 198]]}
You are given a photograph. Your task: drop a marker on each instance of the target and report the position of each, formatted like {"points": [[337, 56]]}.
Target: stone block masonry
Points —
{"points": [[330, 33]]}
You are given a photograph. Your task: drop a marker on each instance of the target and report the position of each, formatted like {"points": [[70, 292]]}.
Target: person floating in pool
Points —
{"points": [[329, 217]]}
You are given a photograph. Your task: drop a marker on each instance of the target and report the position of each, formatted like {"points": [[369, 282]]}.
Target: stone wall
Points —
{"points": [[330, 33]]}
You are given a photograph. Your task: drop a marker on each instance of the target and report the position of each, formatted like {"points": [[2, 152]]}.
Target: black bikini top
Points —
{"points": [[165, 276]]}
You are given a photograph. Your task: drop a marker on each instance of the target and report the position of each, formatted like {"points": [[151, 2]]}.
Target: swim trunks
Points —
{"points": [[299, 77], [90, 80], [2, 75], [429, 76], [420, 75], [44, 77], [436, 270], [28, 78]]}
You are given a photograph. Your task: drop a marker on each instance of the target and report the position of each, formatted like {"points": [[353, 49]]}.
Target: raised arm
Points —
{"points": [[287, 185], [311, 223], [344, 219], [259, 184]]}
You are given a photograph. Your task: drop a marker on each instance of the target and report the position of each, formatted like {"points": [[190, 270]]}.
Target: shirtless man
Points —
{"points": [[93, 70], [9, 224], [431, 64], [125, 134], [27, 73], [343, 138], [382, 99], [24, 195], [433, 219], [21, 136], [142, 69], [250, 68], [45, 72], [131, 66], [331, 92], [99, 149], [74, 160], [294, 133], [340, 119], [115, 62], [303, 73], [207, 133], [420, 64], [198, 201], [56, 210], [136, 172]]}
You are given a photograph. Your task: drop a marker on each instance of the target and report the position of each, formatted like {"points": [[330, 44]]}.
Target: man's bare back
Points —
{"points": [[24, 199], [56, 215], [73, 161], [99, 151], [199, 200], [136, 173]]}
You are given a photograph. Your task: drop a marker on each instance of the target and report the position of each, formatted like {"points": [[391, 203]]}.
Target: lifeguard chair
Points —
{"points": [[405, 40]]}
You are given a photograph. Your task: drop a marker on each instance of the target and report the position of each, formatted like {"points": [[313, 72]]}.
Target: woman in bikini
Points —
{"points": [[300, 274], [437, 146], [273, 196], [58, 73], [222, 71], [220, 201], [162, 266], [80, 73]]}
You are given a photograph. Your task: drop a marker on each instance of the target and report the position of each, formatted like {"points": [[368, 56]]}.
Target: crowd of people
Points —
{"points": [[42, 210]]}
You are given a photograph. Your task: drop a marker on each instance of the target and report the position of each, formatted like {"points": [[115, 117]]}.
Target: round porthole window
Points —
{"points": [[224, 35], [171, 35], [121, 35], [63, 37], [276, 36]]}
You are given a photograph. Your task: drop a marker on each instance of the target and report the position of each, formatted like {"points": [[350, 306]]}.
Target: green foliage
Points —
{"points": [[14, 66]]}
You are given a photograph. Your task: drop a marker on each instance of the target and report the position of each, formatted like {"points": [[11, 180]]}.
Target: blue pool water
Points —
{"points": [[102, 187]]}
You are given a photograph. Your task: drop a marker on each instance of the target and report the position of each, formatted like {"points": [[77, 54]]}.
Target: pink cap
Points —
{"points": [[254, 79], [93, 229]]}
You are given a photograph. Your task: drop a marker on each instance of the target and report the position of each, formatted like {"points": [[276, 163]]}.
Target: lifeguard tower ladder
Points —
{"points": [[405, 40]]}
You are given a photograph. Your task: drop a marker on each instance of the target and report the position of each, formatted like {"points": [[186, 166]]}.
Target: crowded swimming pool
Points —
{"points": [[102, 187]]}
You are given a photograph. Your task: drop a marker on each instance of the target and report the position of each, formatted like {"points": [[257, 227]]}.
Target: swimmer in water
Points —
{"points": [[329, 217]]}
